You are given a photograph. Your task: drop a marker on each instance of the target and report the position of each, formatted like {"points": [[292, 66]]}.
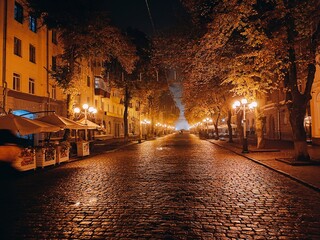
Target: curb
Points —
{"points": [[317, 189]]}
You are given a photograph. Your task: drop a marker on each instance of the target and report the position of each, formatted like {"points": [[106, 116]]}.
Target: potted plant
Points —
{"points": [[83, 148], [63, 150], [26, 160], [46, 155]]}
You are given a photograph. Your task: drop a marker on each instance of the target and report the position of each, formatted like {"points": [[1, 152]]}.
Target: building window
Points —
{"points": [[31, 86], [32, 53], [53, 92], [88, 81], [18, 12], [17, 46], [54, 63], [54, 37], [16, 82], [33, 23]]}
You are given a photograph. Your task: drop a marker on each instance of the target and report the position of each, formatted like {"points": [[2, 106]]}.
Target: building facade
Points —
{"points": [[315, 108], [28, 51]]}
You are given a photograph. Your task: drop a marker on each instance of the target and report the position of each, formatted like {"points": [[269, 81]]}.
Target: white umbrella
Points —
{"points": [[89, 124], [61, 122], [25, 126]]}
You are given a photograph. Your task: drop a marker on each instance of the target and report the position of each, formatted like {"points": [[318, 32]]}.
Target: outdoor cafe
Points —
{"points": [[50, 139]]}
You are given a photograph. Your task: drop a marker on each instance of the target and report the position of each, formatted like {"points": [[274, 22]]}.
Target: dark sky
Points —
{"points": [[134, 13]]}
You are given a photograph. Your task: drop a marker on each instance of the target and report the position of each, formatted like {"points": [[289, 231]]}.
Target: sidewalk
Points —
{"points": [[308, 175]]}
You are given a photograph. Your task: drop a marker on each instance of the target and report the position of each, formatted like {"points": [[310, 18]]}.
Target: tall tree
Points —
{"points": [[278, 43]]}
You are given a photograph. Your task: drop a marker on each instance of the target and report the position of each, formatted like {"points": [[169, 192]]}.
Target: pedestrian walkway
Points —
{"points": [[308, 175]]}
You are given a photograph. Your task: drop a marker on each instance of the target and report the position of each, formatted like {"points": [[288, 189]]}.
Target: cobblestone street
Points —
{"points": [[175, 187]]}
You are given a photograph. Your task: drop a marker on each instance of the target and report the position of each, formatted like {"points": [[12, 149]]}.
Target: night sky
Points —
{"points": [[134, 13]]}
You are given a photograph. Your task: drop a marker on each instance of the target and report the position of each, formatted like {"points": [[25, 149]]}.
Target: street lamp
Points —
{"points": [[207, 121], [87, 111], [243, 104]]}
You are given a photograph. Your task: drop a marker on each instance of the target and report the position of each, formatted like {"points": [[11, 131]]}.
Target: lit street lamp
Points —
{"points": [[243, 104], [87, 111], [207, 121]]}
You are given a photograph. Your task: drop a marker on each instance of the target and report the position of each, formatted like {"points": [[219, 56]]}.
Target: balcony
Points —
{"points": [[101, 87]]}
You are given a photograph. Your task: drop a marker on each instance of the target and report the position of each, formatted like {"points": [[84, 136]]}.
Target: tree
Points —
{"points": [[145, 82], [278, 43], [292, 29]]}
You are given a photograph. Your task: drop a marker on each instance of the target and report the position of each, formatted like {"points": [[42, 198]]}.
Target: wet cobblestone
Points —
{"points": [[177, 187]]}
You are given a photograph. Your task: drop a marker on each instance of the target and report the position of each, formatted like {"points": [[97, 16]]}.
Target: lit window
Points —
{"points": [[33, 23], [16, 82], [18, 12], [32, 53], [17, 46], [31, 86]]}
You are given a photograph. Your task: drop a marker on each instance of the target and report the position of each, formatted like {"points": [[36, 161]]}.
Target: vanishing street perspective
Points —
{"points": [[175, 187], [171, 119]]}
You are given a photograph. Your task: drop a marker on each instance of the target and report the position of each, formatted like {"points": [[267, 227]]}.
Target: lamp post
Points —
{"points": [[87, 110], [207, 121], [243, 105]]}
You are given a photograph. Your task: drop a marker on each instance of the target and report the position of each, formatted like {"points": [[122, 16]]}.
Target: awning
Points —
{"points": [[25, 126], [89, 124], [61, 122]]}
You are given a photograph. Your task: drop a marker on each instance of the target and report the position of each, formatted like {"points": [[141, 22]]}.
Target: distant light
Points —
{"points": [[182, 124]]}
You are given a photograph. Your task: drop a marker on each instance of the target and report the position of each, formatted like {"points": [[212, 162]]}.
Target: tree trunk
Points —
{"points": [[67, 132], [125, 114], [239, 126], [229, 126], [296, 101], [299, 134], [69, 106], [216, 127], [260, 124]]}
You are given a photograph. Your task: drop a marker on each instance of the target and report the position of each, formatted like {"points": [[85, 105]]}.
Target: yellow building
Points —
{"points": [[315, 107], [27, 51]]}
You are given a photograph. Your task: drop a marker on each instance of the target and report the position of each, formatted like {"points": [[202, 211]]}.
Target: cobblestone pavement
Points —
{"points": [[176, 187]]}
